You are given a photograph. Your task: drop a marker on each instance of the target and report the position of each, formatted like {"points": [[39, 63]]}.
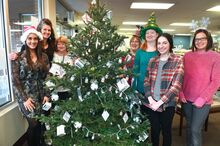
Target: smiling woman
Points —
{"points": [[201, 81], [14, 14]]}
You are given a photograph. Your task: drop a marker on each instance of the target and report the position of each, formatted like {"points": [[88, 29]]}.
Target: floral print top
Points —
{"points": [[29, 82]]}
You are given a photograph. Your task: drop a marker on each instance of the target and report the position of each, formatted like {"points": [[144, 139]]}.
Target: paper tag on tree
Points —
{"points": [[57, 70], [47, 126], [123, 85], [66, 116], [105, 115], [79, 94], [50, 85], [125, 117], [46, 106], [61, 130], [79, 63], [128, 58], [54, 97]]}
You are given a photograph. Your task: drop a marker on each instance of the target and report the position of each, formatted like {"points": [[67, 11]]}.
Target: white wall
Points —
{"points": [[12, 124]]}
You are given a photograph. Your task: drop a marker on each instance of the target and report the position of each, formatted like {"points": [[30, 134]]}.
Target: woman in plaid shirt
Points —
{"points": [[162, 84]]}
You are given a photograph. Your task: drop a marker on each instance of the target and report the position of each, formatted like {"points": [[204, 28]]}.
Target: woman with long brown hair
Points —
{"points": [[29, 71]]}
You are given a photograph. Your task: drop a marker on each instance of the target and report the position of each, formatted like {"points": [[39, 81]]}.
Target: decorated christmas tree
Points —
{"points": [[102, 110]]}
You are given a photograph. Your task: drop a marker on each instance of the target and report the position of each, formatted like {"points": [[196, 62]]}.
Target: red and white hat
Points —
{"points": [[28, 30]]}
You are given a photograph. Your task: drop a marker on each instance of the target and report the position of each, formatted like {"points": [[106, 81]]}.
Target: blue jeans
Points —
{"points": [[195, 119]]}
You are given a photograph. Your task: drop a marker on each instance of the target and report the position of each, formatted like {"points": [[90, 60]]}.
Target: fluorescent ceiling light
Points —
{"points": [[168, 30], [127, 29], [181, 24], [183, 34], [215, 8], [139, 5], [15, 30], [133, 23], [28, 14], [23, 23]]}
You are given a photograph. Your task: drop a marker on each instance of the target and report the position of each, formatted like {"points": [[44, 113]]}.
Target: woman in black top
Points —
{"points": [[48, 43]]}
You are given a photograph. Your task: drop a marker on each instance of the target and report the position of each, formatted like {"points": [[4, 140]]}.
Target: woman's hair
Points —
{"points": [[209, 39], [61, 39], [169, 38], [51, 39], [137, 38], [39, 54]]}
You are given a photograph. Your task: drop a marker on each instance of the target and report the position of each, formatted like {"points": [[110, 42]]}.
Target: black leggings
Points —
{"points": [[160, 121]]}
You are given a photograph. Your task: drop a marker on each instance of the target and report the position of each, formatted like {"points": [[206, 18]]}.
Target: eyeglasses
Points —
{"points": [[200, 39]]}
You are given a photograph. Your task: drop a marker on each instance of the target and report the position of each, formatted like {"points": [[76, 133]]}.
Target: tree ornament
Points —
{"points": [[86, 18], [93, 137], [125, 117], [97, 43], [122, 85], [79, 94], [86, 80], [54, 97], [103, 79], [66, 116], [109, 64], [106, 76], [77, 125], [109, 14], [93, 2], [94, 85], [105, 115], [143, 137], [61, 130]]}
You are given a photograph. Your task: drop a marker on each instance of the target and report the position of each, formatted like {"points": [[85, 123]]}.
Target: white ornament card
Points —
{"points": [[105, 115], [61, 130], [66, 116], [123, 85]]}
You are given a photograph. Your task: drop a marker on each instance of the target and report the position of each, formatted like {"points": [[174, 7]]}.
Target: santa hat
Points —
{"points": [[28, 30]]}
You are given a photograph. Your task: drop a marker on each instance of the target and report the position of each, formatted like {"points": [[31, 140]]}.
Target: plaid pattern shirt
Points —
{"points": [[171, 78]]}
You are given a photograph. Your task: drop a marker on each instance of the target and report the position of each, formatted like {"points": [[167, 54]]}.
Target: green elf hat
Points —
{"points": [[150, 25]]}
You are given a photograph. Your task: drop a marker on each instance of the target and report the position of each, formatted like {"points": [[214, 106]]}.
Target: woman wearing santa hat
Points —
{"points": [[48, 43], [29, 71]]}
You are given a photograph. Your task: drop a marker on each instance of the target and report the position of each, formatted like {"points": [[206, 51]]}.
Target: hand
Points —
{"points": [[182, 97], [13, 56], [46, 99], [151, 100], [29, 104], [156, 105], [183, 100], [199, 102]]}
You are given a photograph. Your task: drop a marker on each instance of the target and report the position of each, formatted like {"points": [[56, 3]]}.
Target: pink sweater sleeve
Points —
{"points": [[215, 81]]}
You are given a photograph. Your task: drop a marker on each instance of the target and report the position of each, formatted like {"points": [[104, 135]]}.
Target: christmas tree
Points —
{"points": [[102, 110]]}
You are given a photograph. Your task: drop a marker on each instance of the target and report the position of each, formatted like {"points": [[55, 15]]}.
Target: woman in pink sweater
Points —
{"points": [[201, 81]]}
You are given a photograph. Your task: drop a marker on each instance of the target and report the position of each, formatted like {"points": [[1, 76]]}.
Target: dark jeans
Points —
{"points": [[160, 121], [195, 119], [34, 133]]}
